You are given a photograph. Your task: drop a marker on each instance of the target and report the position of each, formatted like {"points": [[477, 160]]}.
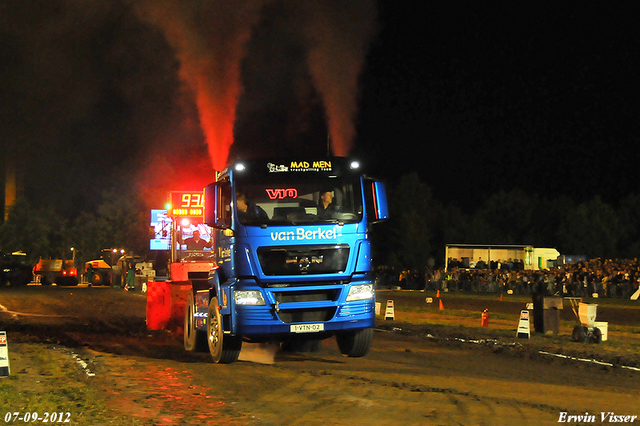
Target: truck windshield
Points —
{"points": [[299, 201]]}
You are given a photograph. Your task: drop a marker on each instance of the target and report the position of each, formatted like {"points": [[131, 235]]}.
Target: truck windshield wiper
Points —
{"points": [[329, 220], [262, 225]]}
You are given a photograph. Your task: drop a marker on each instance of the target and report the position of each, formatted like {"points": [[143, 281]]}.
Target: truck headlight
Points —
{"points": [[249, 297], [360, 292]]}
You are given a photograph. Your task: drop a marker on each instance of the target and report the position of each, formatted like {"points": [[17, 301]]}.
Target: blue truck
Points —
{"points": [[292, 257]]}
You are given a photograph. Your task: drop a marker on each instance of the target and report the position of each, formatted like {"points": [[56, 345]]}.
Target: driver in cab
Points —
{"points": [[326, 206], [249, 211], [196, 243]]}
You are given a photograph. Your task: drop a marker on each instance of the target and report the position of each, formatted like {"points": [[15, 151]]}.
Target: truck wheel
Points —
{"points": [[223, 349], [355, 343], [194, 340]]}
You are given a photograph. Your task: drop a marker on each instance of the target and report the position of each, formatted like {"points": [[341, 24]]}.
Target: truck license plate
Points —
{"points": [[307, 328]]}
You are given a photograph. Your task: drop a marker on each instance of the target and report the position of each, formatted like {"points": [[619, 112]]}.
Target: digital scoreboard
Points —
{"points": [[187, 204]]}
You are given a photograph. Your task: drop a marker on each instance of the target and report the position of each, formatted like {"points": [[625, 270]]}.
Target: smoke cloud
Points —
{"points": [[338, 35], [107, 93], [210, 39]]}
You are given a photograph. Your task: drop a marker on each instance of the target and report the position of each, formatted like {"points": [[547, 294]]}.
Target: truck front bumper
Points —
{"points": [[271, 320], [324, 308]]}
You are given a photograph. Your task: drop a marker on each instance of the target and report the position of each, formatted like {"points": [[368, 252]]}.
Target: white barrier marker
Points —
{"points": [[524, 330], [389, 313], [4, 355]]}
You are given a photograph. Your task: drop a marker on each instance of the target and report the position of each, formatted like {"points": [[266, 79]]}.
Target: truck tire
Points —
{"points": [[355, 343], [223, 349], [194, 340]]}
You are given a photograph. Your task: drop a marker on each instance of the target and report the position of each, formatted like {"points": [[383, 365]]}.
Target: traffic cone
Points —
{"points": [[438, 294], [441, 305], [501, 297]]}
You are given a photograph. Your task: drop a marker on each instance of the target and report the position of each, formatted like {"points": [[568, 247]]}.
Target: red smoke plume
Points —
{"points": [[209, 38], [338, 35]]}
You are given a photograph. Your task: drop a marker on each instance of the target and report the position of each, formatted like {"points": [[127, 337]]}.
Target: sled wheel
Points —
{"points": [[194, 339]]}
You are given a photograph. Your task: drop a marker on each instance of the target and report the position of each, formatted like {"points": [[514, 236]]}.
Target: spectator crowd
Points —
{"points": [[605, 278]]}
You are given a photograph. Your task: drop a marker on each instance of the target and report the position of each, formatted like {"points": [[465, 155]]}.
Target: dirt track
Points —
{"points": [[406, 379]]}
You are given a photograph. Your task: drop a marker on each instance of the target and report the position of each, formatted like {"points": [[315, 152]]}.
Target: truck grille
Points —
{"points": [[306, 315], [307, 296], [303, 260]]}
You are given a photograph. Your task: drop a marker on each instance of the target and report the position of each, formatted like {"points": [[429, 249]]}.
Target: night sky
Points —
{"points": [[482, 98], [476, 98]]}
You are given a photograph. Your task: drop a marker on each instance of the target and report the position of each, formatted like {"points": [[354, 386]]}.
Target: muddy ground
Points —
{"points": [[414, 374]]}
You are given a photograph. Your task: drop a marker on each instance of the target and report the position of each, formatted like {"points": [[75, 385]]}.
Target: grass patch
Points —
{"points": [[47, 380], [462, 320]]}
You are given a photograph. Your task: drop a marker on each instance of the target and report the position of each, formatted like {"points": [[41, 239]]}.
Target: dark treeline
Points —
{"points": [[420, 226], [121, 221], [417, 231]]}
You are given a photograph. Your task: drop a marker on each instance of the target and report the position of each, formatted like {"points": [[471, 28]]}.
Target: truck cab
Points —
{"points": [[293, 257]]}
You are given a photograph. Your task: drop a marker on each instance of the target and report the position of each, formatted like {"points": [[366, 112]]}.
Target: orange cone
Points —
{"points": [[501, 297], [438, 294], [441, 305]]}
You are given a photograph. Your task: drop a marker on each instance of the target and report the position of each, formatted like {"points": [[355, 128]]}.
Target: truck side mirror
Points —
{"points": [[375, 197], [217, 205]]}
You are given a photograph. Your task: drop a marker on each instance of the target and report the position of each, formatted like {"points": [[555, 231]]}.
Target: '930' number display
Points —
{"points": [[186, 204], [46, 417]]}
